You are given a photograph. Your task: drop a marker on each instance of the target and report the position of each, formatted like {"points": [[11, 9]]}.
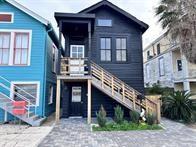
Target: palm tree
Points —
{"points": [[178, 17], [178, 106]]}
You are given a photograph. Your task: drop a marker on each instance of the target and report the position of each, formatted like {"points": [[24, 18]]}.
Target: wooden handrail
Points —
{"points": [[117, 85]]}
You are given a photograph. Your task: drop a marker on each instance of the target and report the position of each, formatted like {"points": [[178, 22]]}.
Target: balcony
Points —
{"points": [[74, 68]]}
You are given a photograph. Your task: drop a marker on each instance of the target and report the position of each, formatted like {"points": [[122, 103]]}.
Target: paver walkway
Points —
{"points": [[76, 133], [22, 135]]}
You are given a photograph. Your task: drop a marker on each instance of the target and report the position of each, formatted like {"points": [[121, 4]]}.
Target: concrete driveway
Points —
{"points": [[22, 135], [76, 133]]}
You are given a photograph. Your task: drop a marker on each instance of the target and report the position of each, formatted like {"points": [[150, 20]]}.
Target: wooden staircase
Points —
{"points": [[120, 91], [6, 103]]}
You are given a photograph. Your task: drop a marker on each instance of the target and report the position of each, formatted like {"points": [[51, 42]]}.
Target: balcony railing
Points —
{"points": [[74, 66]]}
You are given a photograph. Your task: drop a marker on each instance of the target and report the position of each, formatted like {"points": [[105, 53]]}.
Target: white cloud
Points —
{"points": [[142, 9]]}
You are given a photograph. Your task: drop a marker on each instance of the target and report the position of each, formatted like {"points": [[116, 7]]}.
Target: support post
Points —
{"points": [[158, 111], [58, 100], [89, 48], [59, 47], [89, 102]]}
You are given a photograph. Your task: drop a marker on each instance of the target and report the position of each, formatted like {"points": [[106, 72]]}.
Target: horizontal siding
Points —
{"points": [[131, 72], [98, 99], [34, 72], [50, 78]]}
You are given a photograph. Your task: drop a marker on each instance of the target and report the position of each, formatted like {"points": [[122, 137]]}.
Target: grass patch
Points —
{"points": [[126, 126]]}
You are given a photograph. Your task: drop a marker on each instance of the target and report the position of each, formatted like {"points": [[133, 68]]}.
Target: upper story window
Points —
{"points": [[121, 49], [147, 71], [179, 65], [105, 47], [6, 17], [104, 22], [21, 48], [158, 49], [161, 67], [4, 48], [15, 47]]}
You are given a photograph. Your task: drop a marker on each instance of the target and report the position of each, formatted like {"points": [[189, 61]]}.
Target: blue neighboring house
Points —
{"points": [[28, 64]]}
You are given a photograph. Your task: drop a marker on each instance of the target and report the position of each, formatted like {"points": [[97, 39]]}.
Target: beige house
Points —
{"points": [[164, 64]]}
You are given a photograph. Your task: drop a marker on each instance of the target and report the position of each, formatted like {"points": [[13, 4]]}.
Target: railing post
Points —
{"points": [[102, 78], [134, 97], [69, 65], [112, 86], [158, 111], [146, 105], [123, 92], [80, 72], [28, 109]]}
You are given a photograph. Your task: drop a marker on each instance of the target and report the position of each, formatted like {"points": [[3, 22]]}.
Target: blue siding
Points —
{"points": [[50, 77], [34, 72]]}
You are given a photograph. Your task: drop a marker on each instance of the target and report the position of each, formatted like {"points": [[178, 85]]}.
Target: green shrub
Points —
{"points": [[118, 115], [157, 89], [151, 119], [126, 126], [101, 117], [134, 117], [178, 106]]}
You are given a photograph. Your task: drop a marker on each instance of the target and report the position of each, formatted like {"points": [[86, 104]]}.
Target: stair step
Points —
{"points": [[34, 117]]}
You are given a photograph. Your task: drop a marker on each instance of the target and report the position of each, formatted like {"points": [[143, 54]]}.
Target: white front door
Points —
{"points": [[76, 62]]}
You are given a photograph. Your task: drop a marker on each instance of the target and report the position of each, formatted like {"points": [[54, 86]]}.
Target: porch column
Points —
{"points": [[89, 47], [60, 47], [89, 102], [58, 100]]}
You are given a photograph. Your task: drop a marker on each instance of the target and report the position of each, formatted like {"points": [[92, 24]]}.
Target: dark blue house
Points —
{"points": [[102, 62], [28, 64]]}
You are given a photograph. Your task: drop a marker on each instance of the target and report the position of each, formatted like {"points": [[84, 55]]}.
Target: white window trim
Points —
{"points": [[51, 98], [26, 82], [80, 95], [159, 61], [11, 58], [147, 71], [12, 14], [77, 47]]}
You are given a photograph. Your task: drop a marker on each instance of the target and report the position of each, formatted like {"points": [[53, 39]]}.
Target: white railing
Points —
{"points": [[29, 103], [74, 66]]}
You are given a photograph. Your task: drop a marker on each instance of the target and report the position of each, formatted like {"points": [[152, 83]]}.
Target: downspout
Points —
{"points": [[45, 69]]}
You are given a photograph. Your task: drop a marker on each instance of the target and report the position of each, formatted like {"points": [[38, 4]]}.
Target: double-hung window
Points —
{"points": [[21, 48], [105, 49], [15, 47], [161, 67], [121, 49], [4, 48]]}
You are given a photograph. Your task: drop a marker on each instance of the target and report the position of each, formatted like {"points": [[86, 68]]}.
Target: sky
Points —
{"points": [[142, 9]]}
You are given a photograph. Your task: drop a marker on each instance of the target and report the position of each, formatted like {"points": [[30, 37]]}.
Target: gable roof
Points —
{"points": [[29, 12], [143, 25]]}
